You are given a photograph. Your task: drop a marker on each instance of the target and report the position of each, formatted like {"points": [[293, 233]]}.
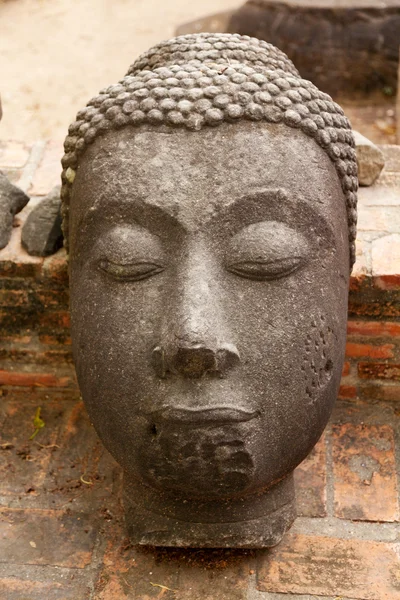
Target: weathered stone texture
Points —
{"points": [[41, 233], [356, 43], [370, 160]]}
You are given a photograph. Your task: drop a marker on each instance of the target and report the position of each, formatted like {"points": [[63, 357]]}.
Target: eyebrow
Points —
{"points": [[267, 204], [273, 204]]}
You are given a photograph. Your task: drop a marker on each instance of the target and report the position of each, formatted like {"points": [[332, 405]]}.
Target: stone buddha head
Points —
{"points": [[209, 205]]}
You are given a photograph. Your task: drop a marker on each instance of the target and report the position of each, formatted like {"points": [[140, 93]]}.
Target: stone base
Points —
{"points": [[159, 519]]}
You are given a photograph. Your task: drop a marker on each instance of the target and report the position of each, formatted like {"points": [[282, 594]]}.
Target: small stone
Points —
{"points": [[41, 233], [12, 201], [370, 160]]}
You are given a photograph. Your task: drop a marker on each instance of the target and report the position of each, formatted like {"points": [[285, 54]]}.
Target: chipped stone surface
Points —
{"points": [[370, 160], [41, 232]]}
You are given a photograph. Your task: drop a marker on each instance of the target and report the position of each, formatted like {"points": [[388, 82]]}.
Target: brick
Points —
{"points": [[13, 298], [373, 328], [310, 480], [45, 537], [367, 350], [52, 299], [33, 356], [357, 282], [387, 282], [15, 261], [48, 174], [376, 304], [54, 319], [17, 354], [325, 566], [13, 154], [56, 267], [378, 371], [81, 454], [33, 379], [24, 465], [17, 321], [189, 574], [127, 573], [196, 583], [16, 339], [26, 583], [382, 393], [55, 357], [346, 369], [386, 262], [364, 469], [347, 391], [59, 338]]}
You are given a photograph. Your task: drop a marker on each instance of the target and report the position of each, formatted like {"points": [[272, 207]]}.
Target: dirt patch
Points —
{"points": [[57, 54]]}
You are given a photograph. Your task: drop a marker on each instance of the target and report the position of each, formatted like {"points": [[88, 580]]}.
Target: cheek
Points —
{"points": [[291, 333], [318, 361], [114, 329]]}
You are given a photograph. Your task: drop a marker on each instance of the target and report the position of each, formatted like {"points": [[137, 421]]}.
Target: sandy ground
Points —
{"points": [[56, 54]]}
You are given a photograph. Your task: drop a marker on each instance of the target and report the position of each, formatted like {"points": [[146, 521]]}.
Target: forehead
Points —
{"points": [[192, 176]]}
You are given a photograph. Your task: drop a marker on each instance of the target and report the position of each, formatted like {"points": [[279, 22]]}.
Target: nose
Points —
{"points": [[195, 337], [194, 361]]}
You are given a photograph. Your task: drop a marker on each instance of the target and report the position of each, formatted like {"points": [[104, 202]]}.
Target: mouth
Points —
{"points": [[218, 414]]}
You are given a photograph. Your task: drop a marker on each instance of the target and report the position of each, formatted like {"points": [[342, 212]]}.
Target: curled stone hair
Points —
{"points": [[206, 79]]}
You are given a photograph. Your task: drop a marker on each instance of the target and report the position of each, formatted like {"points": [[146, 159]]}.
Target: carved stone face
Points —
{"points": [[209, 277]]}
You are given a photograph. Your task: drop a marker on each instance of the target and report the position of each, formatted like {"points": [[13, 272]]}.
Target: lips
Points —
{"points": [[218, 414]]}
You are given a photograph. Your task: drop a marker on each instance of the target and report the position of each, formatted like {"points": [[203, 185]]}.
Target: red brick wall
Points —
{"points": [[35, 345], [372, 367]]}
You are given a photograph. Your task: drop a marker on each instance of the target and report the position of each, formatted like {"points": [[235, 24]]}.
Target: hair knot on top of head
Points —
{"points": [[205, 79]]}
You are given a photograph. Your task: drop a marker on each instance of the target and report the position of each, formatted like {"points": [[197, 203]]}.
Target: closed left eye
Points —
{"points": [[131, 271], [266, 270]]}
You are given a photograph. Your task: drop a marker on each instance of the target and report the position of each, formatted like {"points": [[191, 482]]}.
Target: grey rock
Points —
{"points": [[12, 201], [41, 233], [370, 160], [356, 43]]}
